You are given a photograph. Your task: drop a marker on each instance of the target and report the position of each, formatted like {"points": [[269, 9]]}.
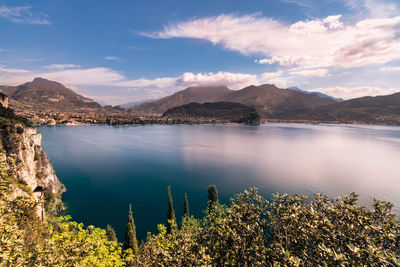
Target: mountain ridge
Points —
{"points": [[45, 95], [186, 96], [266, 99]]}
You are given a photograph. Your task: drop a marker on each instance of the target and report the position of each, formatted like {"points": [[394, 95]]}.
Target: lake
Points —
{"points": [[105, 168]]}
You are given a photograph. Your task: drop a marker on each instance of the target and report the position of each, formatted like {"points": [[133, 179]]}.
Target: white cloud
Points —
{"points": [[391, 68], [317, 43], [112, 58], [312, 72], [270, 75], [374, 8], [302, 3], [23, 15], [4, 70], [61, 66], [234, 80]]}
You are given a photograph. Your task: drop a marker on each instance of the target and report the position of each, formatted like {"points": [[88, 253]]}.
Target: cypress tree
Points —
{"points": [[112, 236], [186, 208], [130, 234], [171, 221], [212, 195]]}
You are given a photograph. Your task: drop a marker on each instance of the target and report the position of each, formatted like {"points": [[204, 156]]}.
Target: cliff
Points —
{"points": [[3, 100], [31, 173]]}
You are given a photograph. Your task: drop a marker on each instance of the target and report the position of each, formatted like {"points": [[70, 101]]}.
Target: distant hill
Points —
{"points": [[266, 99], [189, 95], [131, 104], [297, 89], [379, 109], [45, 95], [220, 111]]}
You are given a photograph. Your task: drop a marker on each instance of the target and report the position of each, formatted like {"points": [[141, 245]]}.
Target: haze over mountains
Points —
{"points": [[269, 101]]}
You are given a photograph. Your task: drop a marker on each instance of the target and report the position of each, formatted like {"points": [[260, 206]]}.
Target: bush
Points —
{"points": [[20, 130]]}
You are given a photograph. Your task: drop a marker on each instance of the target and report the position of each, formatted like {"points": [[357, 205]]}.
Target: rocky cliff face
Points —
{"points": [[3, 100], [33, 172], [36, 169]]}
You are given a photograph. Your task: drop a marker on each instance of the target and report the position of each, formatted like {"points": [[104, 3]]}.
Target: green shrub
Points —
{"points": [[20, 130]]}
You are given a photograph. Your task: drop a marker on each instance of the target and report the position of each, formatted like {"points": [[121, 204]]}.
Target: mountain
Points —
{"points": [[315, 93], [266, 99], [378, 109], [219, 111], [44, 95], [135, 103], [189, 95]]}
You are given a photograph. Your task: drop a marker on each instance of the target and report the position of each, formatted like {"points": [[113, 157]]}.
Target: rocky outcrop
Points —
{"points": [[3, 100], [32, 168], [36, 170]]}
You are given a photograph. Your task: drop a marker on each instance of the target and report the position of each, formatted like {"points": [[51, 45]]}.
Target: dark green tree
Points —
{"points": [[212, 195], [186, 207], [171, 220], [130, 234], [112, 236]]}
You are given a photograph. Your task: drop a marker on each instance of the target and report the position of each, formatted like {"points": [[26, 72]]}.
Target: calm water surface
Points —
{"points": [[105, 168]]}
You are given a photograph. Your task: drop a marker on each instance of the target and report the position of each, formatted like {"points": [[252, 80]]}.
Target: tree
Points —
{"points": [[171, 220], [130, 234], [212, 195], [112, 236], [186, 207]]}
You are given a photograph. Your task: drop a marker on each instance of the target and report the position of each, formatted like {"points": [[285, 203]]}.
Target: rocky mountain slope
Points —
{"points": [[315, 93], [379, 109], [189, 95], [266, 99], [43, 95]]}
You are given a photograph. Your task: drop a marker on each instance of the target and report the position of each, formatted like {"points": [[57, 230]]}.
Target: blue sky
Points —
{"points": [[121, 51]]}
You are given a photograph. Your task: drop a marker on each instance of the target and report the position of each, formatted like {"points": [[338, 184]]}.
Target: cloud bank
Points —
{"points": [[326, 42], [119, 86]]}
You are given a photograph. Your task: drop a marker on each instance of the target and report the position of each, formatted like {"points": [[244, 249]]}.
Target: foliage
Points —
{"points": [[288, 231], [9, 118], [130, 234], [111, 235], [186, 207], [212, 195], [221, 111], [26, 241], [171, 220], [20, 130], [332, 232]]}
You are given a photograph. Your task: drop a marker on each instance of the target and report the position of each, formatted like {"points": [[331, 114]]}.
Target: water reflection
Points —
{"points": [[303, 158]]}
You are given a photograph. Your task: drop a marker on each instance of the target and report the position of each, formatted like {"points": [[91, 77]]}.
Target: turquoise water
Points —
{"points": [[105, 168]]}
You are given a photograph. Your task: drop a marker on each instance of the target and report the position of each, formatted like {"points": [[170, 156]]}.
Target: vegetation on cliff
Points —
{"points": [[251, 231], [219, 111]]}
